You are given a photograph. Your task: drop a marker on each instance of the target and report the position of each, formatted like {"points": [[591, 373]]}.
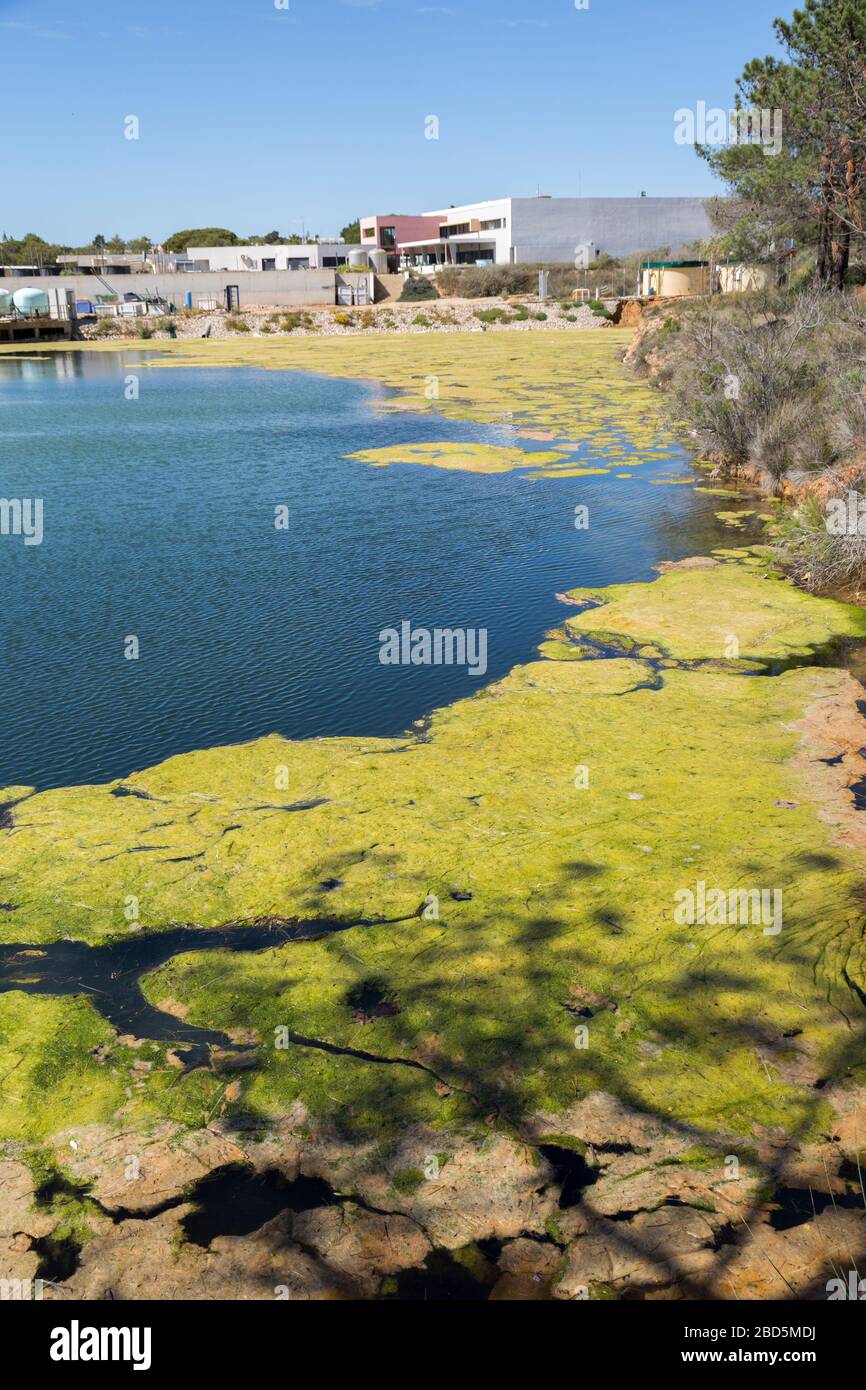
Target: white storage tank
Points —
{"points": [[736, 277], [379, 261], [674, 279], [5, 302], [30, 301], [359, 259]]}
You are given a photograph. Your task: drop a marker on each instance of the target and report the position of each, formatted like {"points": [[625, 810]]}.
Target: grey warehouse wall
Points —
{"points": [[294, 288], [551, 229]]}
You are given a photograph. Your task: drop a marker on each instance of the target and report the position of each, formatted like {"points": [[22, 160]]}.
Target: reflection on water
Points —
{"points": [[60, 366], [159, 516]]}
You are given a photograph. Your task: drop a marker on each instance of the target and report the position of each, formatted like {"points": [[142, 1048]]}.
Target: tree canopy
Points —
{"points": [[201, 236], [812, 190]]}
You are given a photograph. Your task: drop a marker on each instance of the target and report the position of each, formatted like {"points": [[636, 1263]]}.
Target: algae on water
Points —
{"points": [[533, 840], [543, 880]]}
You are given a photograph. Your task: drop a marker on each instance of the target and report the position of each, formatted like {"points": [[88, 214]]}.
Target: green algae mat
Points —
{"points": [[521, 856], [567, 389], [501, 892]]}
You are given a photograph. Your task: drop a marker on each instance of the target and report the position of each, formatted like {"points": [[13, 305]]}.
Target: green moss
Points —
{"points": [[602, 1293], [563, 651], [554, 1230], [565, 1141], [408, 1180], [695, 614]]}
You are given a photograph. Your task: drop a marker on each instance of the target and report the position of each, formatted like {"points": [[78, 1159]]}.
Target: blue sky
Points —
{"points": [[255, 117]]}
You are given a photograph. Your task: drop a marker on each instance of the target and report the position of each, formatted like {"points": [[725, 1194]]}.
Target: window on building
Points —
{"points": [[493, 226], [454, 229], [269, 264], [389, 238], [369, 232]]}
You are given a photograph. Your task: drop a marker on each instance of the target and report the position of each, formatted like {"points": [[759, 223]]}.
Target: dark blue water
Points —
{"points": [[159, 523]]}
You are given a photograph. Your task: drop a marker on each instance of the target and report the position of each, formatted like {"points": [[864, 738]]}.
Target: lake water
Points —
{"points": [[159, 523]]}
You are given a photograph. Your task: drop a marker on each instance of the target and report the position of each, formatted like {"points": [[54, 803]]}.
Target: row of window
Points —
{"points": [[389, 234]]}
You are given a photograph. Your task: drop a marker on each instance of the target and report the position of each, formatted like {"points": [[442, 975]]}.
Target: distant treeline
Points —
{"points": [[32, 249]]}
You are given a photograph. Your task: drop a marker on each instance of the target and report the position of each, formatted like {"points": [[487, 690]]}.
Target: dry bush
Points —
{"points": [[766, 382], [814, 556]]}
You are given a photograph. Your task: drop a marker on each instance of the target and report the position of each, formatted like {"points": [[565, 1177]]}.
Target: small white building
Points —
{"points": [[313, 255], [475, 234]]}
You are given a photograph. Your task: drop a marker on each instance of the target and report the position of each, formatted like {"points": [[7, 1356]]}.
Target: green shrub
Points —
{"points": [[487, 282], [417, 288], [495, 281], [294, 320]]}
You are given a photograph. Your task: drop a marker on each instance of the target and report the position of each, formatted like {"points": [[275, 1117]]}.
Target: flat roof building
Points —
{"points": [[509, 231], [313, 255], [22, 271], [387, 233]]}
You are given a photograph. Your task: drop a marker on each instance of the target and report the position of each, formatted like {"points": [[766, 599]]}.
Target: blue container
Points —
{"points": [[187, 299]]}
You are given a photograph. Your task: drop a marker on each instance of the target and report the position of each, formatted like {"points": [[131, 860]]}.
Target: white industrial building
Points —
{"points": [[509, 231], [313, 255]]}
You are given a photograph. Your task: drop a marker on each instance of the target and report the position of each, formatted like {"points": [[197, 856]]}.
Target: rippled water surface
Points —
{"points": [[159, 523]]}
